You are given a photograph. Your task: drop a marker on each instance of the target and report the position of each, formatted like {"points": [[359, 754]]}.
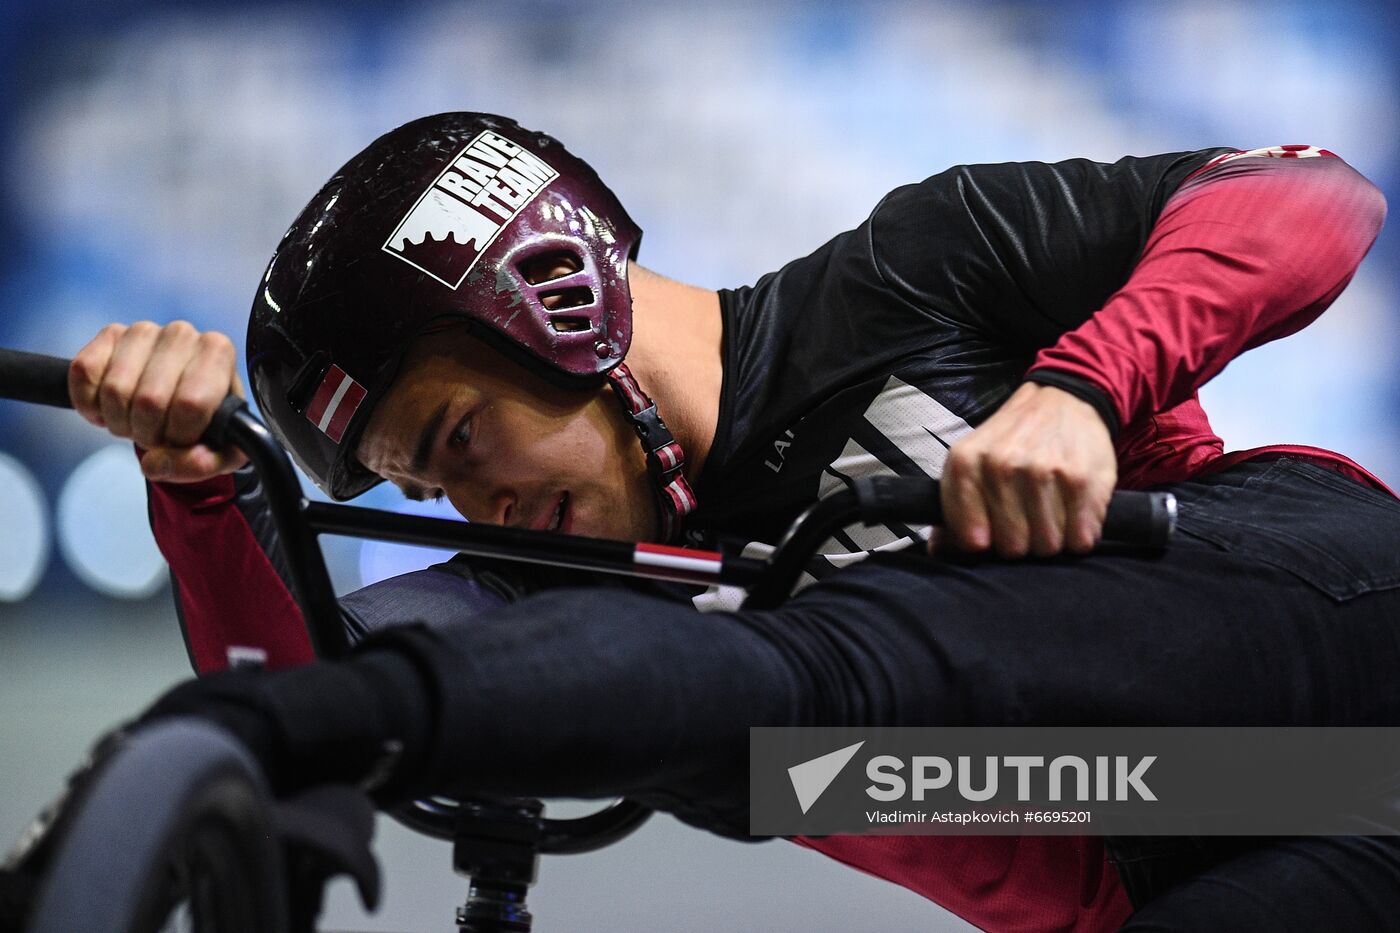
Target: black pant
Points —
{"points": [[1279, 604], [1319, 883]]}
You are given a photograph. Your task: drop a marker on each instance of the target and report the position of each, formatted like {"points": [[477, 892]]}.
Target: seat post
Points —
{"points": [[496, 847]]}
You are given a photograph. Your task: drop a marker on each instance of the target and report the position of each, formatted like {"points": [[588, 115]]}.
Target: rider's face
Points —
{"points": [[507, 447]]}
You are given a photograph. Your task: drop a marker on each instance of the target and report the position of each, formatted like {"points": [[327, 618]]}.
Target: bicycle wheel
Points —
{"points": [[170, 830]]}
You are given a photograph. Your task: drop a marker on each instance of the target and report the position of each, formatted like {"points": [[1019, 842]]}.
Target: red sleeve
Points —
{"points": [[1010, 884], [1251, 248], [228, 593]]}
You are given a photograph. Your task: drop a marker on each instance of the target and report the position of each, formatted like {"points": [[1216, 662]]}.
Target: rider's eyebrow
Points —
{"points": [[423, 453]]}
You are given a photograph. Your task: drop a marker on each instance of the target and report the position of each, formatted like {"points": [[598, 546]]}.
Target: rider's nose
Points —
{"points": [[497, 508]]}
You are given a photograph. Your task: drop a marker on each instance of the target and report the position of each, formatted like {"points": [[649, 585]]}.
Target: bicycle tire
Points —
{"points": [[177, 814]]}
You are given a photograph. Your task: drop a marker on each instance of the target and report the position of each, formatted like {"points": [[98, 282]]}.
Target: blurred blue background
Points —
{"points": [[152, 153]]}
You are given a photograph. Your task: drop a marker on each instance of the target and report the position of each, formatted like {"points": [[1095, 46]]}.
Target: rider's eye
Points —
{"points": [[461, 434]]}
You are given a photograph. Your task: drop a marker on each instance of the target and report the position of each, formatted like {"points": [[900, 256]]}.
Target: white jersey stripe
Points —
{"points": [[917, 424], [914, 423]]}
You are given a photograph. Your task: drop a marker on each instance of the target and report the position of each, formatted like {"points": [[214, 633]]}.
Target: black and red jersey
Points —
{"points": [[1130, 284]]}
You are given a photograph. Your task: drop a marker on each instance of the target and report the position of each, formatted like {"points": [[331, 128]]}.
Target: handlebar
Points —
{"points": [[1142, 518], [1147, 519], [1133, 517], [34, 378]]}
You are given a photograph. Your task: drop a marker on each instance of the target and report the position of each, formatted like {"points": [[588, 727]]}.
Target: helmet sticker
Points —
{"points": [[335, 402], [469, 203]]}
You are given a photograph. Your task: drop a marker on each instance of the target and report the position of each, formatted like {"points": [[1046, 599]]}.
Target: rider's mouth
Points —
{"points": [[560, 520]]}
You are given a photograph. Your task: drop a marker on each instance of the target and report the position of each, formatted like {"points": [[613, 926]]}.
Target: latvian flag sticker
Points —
{"points": [[335, 402]]}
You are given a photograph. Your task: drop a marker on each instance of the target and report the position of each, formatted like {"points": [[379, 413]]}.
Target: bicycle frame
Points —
{"points": [[300, 522]]}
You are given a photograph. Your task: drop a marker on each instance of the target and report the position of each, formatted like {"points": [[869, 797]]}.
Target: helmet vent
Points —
{"points": [[548, 266], [558, 299], [564, 324]]}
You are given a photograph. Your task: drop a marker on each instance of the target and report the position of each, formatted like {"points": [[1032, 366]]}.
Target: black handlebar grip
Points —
{"points": [[216, 435], [1147, 518], [898, 499], [34, 378], [43, 380], [1143, 518]]}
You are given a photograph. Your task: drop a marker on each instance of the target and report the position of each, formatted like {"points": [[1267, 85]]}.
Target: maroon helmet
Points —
{"points": [[433, 224]]}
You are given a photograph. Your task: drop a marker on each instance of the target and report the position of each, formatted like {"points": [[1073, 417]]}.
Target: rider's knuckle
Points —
{"points": [[114, 391], [962, 457], [1040, 472], [1011, 547], [1003, 467], [82, 371], [189, 406], [216, 342], [966, 539], [180, 330], [1073, 480], [146, 402]]}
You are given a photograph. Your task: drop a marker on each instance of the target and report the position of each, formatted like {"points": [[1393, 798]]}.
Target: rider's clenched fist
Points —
{"points": [[1034, 478], [159, 386]]}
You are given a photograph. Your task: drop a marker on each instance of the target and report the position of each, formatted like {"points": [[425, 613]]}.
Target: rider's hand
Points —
{"points": [[159, 386], [1035, 478]]}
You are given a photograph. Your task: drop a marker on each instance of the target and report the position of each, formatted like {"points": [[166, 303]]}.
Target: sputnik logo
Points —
{"points": [[811, 778]]}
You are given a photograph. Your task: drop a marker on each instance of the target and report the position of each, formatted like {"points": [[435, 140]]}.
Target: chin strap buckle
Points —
{"points": [[665, 457]]}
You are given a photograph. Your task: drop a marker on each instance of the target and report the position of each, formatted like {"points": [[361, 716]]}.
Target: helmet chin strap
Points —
{"points": [[665, 458]]}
